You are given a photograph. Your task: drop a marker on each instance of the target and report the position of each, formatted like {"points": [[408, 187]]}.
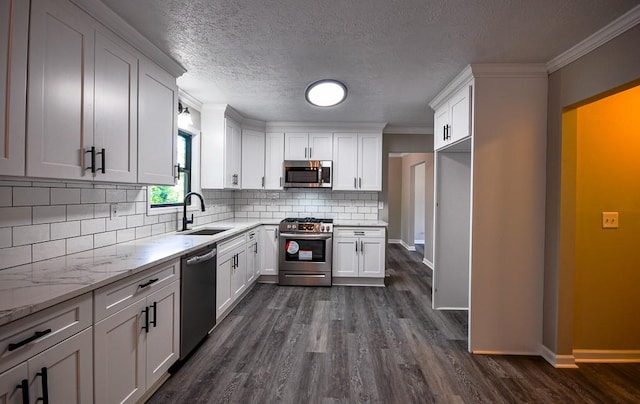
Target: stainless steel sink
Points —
{"points": [[204, 232]]}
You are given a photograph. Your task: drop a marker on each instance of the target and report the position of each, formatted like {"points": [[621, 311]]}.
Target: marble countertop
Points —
{"points": [[33, 287]]}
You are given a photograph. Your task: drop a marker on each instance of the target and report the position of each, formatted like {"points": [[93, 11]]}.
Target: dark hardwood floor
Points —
{"points": [[352, 344]]}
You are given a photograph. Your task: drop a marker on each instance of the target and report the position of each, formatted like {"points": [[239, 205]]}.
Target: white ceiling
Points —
{"points": [[393, 55]]}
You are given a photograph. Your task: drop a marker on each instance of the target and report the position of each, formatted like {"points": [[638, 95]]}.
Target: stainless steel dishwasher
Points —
{"points": [[197, 298]]}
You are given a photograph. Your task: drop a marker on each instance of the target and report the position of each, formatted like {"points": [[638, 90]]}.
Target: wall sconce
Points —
{"points": [[184, 116]]}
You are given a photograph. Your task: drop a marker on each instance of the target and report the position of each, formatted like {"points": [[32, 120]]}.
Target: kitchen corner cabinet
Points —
{"points": [[452, 119], [359, 252], [221, 162], [158, 125], [89, 130], [231, 273], [59, 362], [136, 333], [14, 37], [357, 161], [274, 157], [308, 146], [269, 250], [253, 158]]}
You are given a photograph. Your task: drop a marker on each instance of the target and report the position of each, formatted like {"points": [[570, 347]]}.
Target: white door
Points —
{"points": [[253, 155], [223, 282], [440, 122], [320, 146], [163, 338], [460, 107], [9, 380], [239, 274], [269, 250], [274, 158], [371, 258], [370, 162], [296, 146], [14, 36], [345, 162], [120, 356], [345, 256], [116, 109], [60, 97], [157, 125], [69, 367]]}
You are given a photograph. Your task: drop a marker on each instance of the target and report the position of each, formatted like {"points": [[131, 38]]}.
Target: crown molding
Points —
{"points": [[120, 27], [617, 27], [408, 130], [324, 126], [190, 100], [506, 70], [463, 78], [254, 124]]}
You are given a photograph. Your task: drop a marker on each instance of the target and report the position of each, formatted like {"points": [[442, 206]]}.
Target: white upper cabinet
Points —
{"points": [[308, 146], [60, 94], [221, 150], [357, 164], [116, 108], [274, 158], [158, 126], [14, 35], [253, 157], [452, 119]]}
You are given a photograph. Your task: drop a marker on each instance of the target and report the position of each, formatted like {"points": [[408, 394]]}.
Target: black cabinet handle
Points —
{"points": [[255, 250], [155, 317], [45, 386], [151, 282], [35, 336], [310, 148], [177, 176], [24, 386], [102, 154], [145, 327], [262, 182], [92, 167], [356, 246]]}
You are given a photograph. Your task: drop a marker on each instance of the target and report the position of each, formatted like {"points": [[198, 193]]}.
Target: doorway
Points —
{"points": [[419, 212]]}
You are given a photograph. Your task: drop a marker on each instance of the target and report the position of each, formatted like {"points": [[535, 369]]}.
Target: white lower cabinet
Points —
{"points": [[253, 257], [359, 252], [231, 274], [269, 250], [134, 347]]}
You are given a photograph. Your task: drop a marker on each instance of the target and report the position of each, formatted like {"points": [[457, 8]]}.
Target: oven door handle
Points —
{"points": [[307, 236]]}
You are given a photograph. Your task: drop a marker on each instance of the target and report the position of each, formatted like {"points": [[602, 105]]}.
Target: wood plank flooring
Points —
{"points": [[352, 344]]}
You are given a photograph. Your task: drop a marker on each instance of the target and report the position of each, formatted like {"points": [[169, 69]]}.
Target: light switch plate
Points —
{"points": [[380, 205], [609, 220]]}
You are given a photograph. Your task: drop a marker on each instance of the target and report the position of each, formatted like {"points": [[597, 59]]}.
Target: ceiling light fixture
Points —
{"points": [[326, 93], [184, 116]]}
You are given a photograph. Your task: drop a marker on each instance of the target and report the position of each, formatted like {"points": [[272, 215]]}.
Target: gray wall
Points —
{"points": [[615, 64], [394, 202]]}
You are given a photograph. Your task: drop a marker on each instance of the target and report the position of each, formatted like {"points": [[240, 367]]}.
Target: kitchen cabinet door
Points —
{"points": [[163, 338], [59, 122], [9, 380], [157, 125], [269, 250], [320, 146], [296, 146], [69, 367], [370, 162], [345, 256], [252, 262], [253, 157], [274, 159], [116, 108], [233, 154], [372, 262], [120, 356], [345, 162], [14, 36], [440, 123], [239, 274], [460, 114], [224, 296]]}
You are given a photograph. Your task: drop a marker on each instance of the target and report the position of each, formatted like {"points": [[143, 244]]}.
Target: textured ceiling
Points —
{"points": [[393, 55]]}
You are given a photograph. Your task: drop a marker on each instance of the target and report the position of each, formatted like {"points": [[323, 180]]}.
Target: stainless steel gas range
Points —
{"points": [[306, 248]]}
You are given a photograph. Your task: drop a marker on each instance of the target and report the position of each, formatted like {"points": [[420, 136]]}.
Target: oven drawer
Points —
{"points": [[359, 231]]}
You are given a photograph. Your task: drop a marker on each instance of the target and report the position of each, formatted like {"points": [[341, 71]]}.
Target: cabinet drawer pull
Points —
{"points": [[151, 282], [145, 326], [45, 386], [360, 181], [355, 183], [35, 336], [24, 386], [358, 233], [154, 306], [103, 155], [356, 246], [305, 152], [362, 246], [92, 167]]}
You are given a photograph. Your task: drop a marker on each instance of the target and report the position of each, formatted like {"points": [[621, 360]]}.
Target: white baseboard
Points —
{"points": [[407, 246], [428, 263], [418, 241], [607, 356], [451, 308], [558, 361], [394, 241], [519, 353]]}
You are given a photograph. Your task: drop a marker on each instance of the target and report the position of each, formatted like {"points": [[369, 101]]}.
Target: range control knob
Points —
{"points": [[321, 228]]}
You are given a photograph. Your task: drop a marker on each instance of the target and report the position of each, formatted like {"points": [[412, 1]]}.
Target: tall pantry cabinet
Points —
{"points": [[489, 203]]}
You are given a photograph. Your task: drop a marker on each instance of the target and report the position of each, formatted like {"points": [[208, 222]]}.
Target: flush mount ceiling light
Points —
{"points": [[326, 93]]}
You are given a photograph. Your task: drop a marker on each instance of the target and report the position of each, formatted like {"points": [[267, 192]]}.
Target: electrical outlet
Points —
{"points": [[113, 208], [609, 220]]}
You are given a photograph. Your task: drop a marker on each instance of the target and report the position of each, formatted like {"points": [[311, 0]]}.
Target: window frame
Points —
{"points": [[187, 170]]}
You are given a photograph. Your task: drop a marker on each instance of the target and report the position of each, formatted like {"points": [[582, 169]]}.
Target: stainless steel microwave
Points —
{"points": [[307, 174]]}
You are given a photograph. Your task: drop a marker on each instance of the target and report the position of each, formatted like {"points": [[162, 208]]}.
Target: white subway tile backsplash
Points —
{"points": [[92, 226], [116, 223], [102, 210], [126, 208], [49, 214], [23, 196], [143, 231], [104, 239], [116, 195], [65, 230], [136, 195], [15, 216], [5, 237], [125, 235], [79, 212], [10, 257], [159, 228], [77, 244], [50, 249], [135, 220], [92, 196], [141, 207], [65, 196], [23, 235], [6, 196]]}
